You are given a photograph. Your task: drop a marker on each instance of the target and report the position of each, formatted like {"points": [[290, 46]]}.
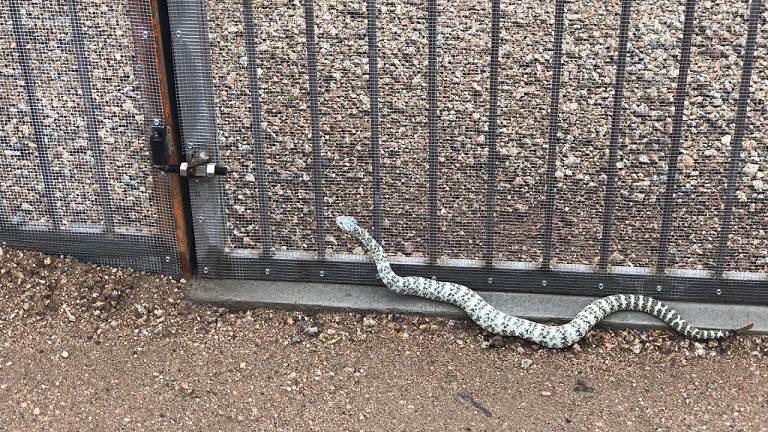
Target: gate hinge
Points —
{"points": [[198, 166]]}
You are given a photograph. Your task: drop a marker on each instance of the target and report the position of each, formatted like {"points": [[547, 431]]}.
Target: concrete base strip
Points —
{"points": [[314, 297]]}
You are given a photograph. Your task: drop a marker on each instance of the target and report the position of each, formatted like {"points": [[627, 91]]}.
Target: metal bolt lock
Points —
{"points": [[600, 286], [145, 34], [434, 277], [543, 283], [266, 271], [167, 259], [201, 219], [178, 33], [322, 273], [719, 291], [156, 122], [205, 270], [658, 288], [490, 280]]}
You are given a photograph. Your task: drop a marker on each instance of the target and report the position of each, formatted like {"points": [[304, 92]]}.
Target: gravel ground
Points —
{"points": [[85, 347]]}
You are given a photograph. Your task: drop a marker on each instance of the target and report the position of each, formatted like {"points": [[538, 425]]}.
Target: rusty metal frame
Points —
{"points": [[179, 187], [152, 41]]}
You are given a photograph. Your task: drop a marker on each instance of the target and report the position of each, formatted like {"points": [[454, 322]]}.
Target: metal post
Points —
{"points": [[433, 119], [41, 142], [373, 85], [83, 72], [493, 127], [755, 10], [613, 147], [258, 132], [677, 132], [554, 105], [314, 112], [194, 85]]}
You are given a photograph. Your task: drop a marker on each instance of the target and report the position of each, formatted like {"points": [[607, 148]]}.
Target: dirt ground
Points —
{"points": [[85, 347]]}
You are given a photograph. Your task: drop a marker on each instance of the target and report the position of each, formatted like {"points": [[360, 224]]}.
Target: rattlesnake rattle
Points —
{"points": [[495, 321]]}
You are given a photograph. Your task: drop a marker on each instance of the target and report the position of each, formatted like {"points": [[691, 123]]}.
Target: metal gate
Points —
{"points": [[583, 147], [81, 86]]}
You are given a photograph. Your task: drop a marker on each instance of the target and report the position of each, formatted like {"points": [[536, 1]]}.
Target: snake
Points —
{"points": [[494, 321]]}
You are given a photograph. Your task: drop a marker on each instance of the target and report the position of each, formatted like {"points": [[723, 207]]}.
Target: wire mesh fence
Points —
{"points": [[580, 147], [75, 104], [567, 147]]}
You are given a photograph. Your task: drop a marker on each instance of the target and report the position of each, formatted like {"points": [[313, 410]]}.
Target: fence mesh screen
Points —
{"points": [[620, 137], [75, 111], [514, 140]]}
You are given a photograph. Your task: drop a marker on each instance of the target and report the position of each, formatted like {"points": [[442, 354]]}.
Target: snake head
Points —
{"points": [[346, 223]]}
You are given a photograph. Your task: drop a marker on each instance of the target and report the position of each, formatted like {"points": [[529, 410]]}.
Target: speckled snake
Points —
{"points": [[495, 321]]}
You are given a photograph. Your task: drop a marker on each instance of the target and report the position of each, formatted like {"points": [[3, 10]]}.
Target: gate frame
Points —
{"points": [[661, 281]]}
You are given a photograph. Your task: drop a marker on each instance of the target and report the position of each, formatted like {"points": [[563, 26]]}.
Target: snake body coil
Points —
{"points": [[495, 321]]}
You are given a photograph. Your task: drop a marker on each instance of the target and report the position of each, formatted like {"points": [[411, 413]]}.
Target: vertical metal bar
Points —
{"points": [[34, 113], [314, 112], [170, 191], [258, 132], [83, 72], [755, 10], [677, 133], [6, 220], [188, 32], [493, 109], [433, 119], [373, 86], [613, 147], [554, 105]]}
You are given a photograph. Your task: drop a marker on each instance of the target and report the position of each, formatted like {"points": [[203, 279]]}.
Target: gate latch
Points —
{"points": [[198, 166]]}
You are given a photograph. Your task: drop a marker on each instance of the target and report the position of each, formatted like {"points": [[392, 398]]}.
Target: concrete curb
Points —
{"points": [[314, 297]]}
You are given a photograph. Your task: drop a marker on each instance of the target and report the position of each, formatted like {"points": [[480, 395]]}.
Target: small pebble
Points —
{"points": [[546, 393], [497, 342], [687, 161], [295, 339], [64, 354], [393, 326], [582, 387], [699, 350]]}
